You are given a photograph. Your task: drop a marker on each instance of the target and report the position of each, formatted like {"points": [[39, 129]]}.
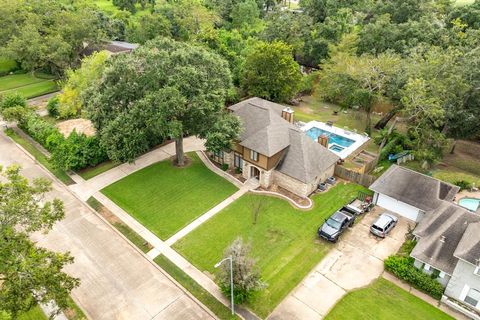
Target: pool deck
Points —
{"points": [[468, 194], [359, 139]]}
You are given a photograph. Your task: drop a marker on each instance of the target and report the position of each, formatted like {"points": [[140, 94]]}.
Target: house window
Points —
{"points": [[218, 157], [254, 155], [426, 267], [472, 298], [477, 271], [237, 161], [441, 274]]}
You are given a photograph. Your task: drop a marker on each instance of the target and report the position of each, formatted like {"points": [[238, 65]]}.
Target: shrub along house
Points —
{"points": [[447, 235], [274, 151]]}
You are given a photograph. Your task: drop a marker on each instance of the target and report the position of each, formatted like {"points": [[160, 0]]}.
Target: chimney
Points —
{"points": [[287, 114], [323, 140]]}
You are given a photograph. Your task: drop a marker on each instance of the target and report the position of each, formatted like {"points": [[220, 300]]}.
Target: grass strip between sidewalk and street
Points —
{"points": [[218, 308], [40, 157], [128, 232]]}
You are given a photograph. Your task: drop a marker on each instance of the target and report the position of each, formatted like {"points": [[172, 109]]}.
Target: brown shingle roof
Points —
{"points": [[265, 131], [444, 237], [413, 188]]}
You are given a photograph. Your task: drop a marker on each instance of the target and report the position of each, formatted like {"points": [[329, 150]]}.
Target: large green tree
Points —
{"points": [[46, 33], [352, 80], [70, 103], [163, 89], [29, 274], [271, 72]]}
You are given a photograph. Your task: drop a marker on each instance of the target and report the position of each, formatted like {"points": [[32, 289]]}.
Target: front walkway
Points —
{"points": [[355, 262], [116, 281], [86, 188]]}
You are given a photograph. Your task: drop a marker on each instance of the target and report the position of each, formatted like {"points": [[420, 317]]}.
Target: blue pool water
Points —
{"points": [[333, 138], [470, 203]]}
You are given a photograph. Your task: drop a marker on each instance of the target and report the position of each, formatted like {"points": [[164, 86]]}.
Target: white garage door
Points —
{"points": [[401, 208]]}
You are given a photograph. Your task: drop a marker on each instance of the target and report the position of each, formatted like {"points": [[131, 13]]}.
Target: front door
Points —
{"points": [[254, 173]]}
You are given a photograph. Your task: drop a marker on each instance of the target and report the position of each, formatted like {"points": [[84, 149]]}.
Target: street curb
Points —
{"points": [[53, 177]]}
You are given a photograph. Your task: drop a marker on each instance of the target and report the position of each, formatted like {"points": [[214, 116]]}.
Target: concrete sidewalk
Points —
{"points": [[84, 189], [117, 282], [249, 185]]}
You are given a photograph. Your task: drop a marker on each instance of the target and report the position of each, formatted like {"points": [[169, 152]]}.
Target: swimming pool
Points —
{"points": [[333, 138], [471, 204], [340, 141]]}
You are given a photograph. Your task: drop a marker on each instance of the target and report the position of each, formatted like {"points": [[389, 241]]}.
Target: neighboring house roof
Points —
{"points": [[265, 131], [120, 46], [469, 247], [413, 188], [442, 232], [113, 47]]}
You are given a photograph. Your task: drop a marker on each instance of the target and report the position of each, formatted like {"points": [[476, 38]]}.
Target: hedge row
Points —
{"points": [[75, 152], [403, 268]]}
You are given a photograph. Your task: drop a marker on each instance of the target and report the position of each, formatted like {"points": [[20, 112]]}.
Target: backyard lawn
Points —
{"points": [[384, 300], [165, 198], [283, 240], [27, 84]]}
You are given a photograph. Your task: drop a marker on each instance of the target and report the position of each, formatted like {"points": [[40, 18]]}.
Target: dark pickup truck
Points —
{"points": [[338, 222]]}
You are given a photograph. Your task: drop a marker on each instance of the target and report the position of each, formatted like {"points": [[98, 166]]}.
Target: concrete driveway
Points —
{"points": [[117, 282], [355, 262]]}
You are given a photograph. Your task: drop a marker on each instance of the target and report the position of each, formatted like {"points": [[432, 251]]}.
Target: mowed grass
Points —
{"points": [[165, 198], [384, 300], [284, 240], [90, 172], [28, 85], [39, 156], [218, 308]]}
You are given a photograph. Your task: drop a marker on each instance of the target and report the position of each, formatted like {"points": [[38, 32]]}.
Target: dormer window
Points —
{"points": [[253, 155]]}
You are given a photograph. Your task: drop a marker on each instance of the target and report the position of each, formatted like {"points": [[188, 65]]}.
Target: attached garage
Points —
{"points": [[399, 207], [410, 194]]}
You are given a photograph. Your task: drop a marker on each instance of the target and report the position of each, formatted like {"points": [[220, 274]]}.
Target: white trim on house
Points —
{"points": [[464, 292], [404, 209], [358, 139]]}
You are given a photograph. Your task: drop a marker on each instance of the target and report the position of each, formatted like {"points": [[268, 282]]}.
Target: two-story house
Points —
{"points": [[274, 151]]}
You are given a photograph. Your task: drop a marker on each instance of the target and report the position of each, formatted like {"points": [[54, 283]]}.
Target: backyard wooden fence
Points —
{"points": [[363, 179]]}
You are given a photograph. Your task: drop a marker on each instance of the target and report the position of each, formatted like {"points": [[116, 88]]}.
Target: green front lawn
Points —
{"points": [[29, 85], [384, 300], [165, 198], [283, 240]]}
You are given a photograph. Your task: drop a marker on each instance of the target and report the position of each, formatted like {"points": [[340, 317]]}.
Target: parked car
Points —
{"points": [[383, 225], [336, 224]]}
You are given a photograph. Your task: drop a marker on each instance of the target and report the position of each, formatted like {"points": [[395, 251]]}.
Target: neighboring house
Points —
{"points": [[447, 235], [274, 151], [409, 193], [112, 47]]}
